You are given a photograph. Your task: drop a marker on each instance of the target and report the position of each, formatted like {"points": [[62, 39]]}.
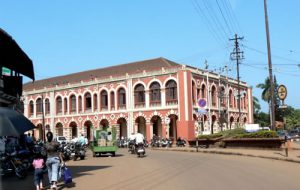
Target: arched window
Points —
{"points": [[193, 92], [112, 100], [39, 106], [95, 102], [203, 91], [104, 100], [213, 96], [231, 99], [88, 102], [31, 108], [65, 105], [122, 98], [79, 104], [47, 106], [155, 97], [223, 96], [73, 103], [171, 92], [58, 105], [139, 95]]}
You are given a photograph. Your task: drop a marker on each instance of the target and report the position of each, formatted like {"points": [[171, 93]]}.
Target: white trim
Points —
{"points": [[186, 110]]}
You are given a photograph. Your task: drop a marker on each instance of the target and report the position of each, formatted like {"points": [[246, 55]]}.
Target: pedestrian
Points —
{"points": [[38, 164], [54, 158]]}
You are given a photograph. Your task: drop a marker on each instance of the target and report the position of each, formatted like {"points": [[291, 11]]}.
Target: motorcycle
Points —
{"points": [[180, 143], [131, 146], [166, 142], [140, 150], [79, 151], [11, 164]]}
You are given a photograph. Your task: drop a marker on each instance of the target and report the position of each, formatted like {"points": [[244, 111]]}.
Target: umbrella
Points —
{"points": [[13, 57], [13, 123]]}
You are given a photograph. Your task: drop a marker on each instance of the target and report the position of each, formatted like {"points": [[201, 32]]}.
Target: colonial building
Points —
{"points": [[156, 96]]}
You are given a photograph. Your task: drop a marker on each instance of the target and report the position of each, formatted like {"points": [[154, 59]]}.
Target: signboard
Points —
{"points": [[5, 71], [282, 92], [202, 103], [202, 111]]}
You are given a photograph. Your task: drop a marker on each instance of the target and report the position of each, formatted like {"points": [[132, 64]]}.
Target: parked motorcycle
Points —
{"points": [[180, 142], [11, 164], [131, 147], [166, 142], [79, 151]]}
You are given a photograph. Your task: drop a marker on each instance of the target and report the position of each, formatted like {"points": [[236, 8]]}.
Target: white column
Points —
{"points": [[163, 97], [147, 98]]}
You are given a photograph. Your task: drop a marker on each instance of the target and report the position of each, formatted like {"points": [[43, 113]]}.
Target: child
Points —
{"points": [[38, 164]]}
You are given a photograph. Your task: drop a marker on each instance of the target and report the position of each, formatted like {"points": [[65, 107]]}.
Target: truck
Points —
{"points": [[104, 142]]}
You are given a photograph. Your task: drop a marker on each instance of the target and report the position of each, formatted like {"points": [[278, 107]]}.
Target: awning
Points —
{"points": [[13, 57]]}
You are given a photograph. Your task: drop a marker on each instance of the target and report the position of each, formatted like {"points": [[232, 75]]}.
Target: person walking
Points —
{"points": [[54, 158], [38, 164]]}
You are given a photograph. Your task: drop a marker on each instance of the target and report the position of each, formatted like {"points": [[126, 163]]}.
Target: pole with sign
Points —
{"points": [[282, 94]]}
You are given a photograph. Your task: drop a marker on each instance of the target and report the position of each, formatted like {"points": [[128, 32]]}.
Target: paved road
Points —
{"points": [[175, 170]]}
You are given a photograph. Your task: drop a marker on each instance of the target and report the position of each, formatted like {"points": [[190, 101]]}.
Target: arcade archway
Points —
{"points": [[123, 127], [74, 130], [88, 126], [173, 127], [141, 125], [157, 125], [104, 124], [59, 129]]}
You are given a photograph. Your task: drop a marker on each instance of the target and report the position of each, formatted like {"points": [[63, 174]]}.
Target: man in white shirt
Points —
{"points": [[139, 138]]}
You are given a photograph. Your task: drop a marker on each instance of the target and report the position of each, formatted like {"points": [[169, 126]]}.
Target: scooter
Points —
{"points": [[11, 164], [79, 152], [140, 150]]}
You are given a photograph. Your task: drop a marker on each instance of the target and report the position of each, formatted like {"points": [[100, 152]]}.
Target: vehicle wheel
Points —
{"points": [[113, 154], [82, 157], [75, 158], [20, 172]]}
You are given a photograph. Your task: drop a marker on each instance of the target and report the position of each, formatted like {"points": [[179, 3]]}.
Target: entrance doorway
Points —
{"points": [[141, 125], [157, 125], [123, 127]]}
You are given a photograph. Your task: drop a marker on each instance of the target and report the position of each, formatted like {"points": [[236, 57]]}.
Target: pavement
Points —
{"points": [[275, 154]]}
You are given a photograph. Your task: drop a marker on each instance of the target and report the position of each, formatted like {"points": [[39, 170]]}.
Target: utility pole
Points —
{"points": [[237, 55], [272, 108], [43, 120]]}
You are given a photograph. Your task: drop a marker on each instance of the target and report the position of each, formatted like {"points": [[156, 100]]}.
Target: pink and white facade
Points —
{"points": [[154, 96]]}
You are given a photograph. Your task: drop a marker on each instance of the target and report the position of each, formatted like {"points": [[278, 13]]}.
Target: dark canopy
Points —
{"points": [[13, 57]]}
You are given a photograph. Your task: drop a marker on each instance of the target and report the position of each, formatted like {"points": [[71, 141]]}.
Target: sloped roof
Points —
{"points": [[118, 70]]}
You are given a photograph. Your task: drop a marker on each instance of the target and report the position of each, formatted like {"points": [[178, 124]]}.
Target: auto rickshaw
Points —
{"points": [[104, 142]]}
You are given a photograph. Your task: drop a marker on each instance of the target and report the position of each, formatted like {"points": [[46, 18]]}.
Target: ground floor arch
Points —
{"points": [[104, 124], [172, 127], [141, 125], [123, 127], [38, 132], [59, 131], [213, 121], [74, 129], [88, 125], [156, 125]]}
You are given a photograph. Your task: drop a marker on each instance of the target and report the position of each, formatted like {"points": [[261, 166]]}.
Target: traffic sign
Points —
{"points": [[202, 103], [282, 92], [202, 111]]}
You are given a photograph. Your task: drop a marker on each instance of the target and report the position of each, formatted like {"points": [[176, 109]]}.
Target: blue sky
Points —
{"points": [[63, 37]]}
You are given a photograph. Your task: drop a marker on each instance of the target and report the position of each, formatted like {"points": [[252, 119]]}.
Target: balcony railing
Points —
{"points": [[139, 105], [155, 103], [172, 102], [122, 107]]}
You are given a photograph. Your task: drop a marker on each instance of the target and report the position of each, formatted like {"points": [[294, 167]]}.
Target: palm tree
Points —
{"points": [[265, 95]]}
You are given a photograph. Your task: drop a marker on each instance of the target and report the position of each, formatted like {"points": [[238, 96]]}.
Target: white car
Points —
{"points": [[61, 139]]}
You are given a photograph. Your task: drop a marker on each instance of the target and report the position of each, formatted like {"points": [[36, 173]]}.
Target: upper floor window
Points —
{"points": [[122, 98], [95, 102], [31, 108], [139, 95], [171, 91], [104, 99], [155, 95], [65, 103], [203, 91], [213, 96], [112, 100], [88, 101], [47, 106], [73, 103], [58, 105], [39, 106]]}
